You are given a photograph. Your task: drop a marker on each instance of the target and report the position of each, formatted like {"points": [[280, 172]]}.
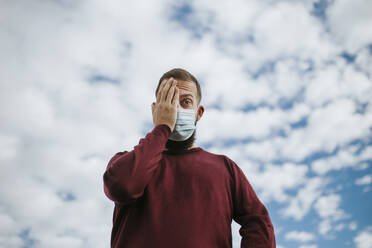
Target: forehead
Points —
{"points": [[187, 87]]}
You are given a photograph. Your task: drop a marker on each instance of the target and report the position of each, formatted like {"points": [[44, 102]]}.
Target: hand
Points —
{"points": [[165, 110]]}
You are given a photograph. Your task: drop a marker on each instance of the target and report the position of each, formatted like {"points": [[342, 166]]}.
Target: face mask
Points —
{"points": [[185, 124]]}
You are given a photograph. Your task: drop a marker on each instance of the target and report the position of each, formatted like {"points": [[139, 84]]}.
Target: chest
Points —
{"points": [[190, 181]]}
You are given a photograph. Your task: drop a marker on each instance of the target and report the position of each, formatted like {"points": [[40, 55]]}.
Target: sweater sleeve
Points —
{"points": [[128, 173], [256, 229]]}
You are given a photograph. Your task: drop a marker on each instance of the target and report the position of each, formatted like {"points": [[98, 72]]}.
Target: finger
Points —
{"points": [[164, 92], [176, 96], [171, 93], [160, 90]]}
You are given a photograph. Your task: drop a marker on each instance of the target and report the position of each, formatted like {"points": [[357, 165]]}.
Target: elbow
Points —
{"points": [[119, 192]]}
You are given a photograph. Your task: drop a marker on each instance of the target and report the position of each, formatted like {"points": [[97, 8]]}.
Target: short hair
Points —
{"points": [[181, 74]]}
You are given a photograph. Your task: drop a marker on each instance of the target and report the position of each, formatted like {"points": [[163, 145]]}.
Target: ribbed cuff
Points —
{"points": [[162, 130]]}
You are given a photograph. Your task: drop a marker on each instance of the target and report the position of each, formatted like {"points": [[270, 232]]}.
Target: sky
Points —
{"points": [[287, 92]]}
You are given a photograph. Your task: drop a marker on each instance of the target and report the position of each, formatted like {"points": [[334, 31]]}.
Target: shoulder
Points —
{"points": [[232, 166], [116, 155], [224, 159], [215, 156]]}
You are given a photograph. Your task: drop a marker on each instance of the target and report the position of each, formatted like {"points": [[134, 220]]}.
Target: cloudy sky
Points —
{"points": [[287, 91]]}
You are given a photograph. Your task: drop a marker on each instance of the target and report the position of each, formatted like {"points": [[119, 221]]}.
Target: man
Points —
{"points": [[169, 193]]}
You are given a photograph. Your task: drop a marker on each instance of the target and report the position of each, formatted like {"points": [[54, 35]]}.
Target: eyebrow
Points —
{"points": [[183, 95]]}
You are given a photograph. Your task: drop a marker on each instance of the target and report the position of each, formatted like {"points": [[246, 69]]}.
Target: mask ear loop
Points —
{"points": [[196, 113]]}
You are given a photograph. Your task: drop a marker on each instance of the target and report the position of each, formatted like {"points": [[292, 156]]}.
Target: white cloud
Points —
{"points": [[301, 204], [8, 146], [322, 132], [308, 246], [328, 206], [353, 226], [300, 236], [363, 61], [362, 166], [367, 179], [337, 80], [59, 129], [8, 231], [282, 178], [343, 159], [325, 227], [258, 124], [340, 227], [289, 21], [348, 20], [364, 238]]}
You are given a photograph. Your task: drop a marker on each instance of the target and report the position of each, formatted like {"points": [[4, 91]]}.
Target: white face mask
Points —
{"points": [[185, 124]]}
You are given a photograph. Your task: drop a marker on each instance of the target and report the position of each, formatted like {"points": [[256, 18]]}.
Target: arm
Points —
{"points": [[256, 228], [128, 173]]}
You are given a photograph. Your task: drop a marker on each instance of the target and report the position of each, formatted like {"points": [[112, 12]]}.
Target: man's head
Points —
{"points": [[182, 75], [189, 98]]}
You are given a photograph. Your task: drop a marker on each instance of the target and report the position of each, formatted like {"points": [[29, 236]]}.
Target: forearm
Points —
{"points": [[128, 173], [257, 231]]}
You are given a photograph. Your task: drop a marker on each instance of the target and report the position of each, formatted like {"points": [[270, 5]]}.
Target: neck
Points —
{"points": [[178, 146], [166, 149]]}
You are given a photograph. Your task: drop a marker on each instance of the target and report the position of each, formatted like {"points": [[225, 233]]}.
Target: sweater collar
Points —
{"points": [[194, 149]]}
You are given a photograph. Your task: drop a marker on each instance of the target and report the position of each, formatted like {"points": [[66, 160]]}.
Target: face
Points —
{"points": [[187, 100]]}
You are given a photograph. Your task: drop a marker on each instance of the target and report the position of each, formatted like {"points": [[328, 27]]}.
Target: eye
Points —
{"points": [[187, 101]]}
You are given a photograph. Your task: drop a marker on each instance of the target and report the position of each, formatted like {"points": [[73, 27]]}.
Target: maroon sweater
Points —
{"points": [[181, 200]]}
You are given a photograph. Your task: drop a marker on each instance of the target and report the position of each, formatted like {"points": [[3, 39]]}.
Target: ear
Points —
{"points": [[152, 107], [200, 112]]}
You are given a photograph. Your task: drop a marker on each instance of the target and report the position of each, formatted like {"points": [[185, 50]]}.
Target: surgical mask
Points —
{"points": [[185, 124]]}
